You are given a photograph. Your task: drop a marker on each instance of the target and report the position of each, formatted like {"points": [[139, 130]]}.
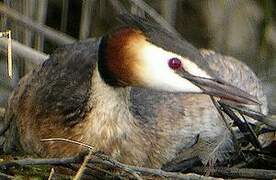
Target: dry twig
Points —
{"points": [[41, 14], [83, 165], [64, 15], [55, 36], [238, 173], [268, 120], [51, 174], [50, 161], [108, 161], [30, 54], [7, 34], [92, 148], [68, 141], [225, 121], [86, 17], [5, 176], [133, 170]]}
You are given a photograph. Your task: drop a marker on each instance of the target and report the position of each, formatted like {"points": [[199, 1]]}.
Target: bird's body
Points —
{"points": [[67, 97]]}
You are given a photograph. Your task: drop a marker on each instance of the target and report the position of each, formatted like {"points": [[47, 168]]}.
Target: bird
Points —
{"points": [[140, 94]]}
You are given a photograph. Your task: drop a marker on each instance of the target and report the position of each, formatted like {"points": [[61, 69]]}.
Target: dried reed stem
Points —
{"points": [[51, 34], [30, 54], [86, 14], [7, 34]]}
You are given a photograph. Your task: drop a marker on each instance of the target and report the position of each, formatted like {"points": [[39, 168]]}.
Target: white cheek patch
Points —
{"points": [[193, 69], [158, 75]]}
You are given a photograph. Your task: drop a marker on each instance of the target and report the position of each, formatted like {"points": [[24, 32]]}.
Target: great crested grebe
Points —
{"points": [[139, 94]]}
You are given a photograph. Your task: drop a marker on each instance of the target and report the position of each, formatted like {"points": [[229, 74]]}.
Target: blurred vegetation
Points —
{"points": [[244, 29]]}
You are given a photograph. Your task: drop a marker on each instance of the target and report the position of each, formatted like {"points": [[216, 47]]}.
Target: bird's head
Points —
{"points": [[145, 55]]}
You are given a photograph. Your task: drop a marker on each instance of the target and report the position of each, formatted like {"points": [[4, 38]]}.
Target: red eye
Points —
{"points": [[175, 63]]}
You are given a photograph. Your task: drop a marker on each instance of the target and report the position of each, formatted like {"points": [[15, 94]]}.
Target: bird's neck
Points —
{"points": [[109, 119], [108, 97], [112, 128]]}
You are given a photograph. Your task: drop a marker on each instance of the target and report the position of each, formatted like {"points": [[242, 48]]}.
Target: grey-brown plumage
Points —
{"points": [[67, 97]]}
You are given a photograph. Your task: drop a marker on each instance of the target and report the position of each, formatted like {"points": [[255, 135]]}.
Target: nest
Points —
{"points": [[259, 163]]}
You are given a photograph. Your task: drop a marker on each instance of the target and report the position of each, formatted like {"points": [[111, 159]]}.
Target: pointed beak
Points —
{"points": [[220, 89]]}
